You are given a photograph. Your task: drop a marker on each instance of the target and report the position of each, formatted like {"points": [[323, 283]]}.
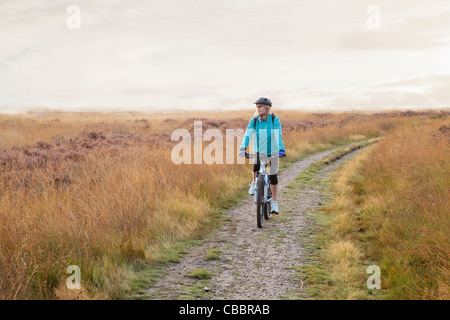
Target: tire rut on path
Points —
{"points": [[254, 263]]}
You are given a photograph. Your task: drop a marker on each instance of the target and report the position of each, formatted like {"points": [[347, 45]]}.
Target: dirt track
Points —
{"points": [[253, 263]]}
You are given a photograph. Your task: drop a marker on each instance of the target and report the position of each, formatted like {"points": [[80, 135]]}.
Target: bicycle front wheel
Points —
{"points": [[267, 205], [259, 202]]}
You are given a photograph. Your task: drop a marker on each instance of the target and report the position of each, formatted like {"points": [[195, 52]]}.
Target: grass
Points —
{"points": [[390, 209], [201, 274], [402, 196], [195, 292], [100, 191], [213, 254]]}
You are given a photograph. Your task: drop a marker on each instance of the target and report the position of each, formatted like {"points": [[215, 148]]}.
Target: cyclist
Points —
{"points": [[267, 129]]}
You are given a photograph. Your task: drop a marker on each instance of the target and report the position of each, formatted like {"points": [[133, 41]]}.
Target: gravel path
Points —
{"points": [[254, 263]]}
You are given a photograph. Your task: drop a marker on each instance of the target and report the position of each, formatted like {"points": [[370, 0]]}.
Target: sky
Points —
{"points": [[153, 55]]}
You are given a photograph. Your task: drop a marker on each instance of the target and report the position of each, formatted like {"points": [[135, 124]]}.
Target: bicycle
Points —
{"points": [[263, 194]]}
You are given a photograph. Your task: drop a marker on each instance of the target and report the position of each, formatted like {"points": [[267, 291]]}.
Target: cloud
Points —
{"points": [[219, 54], [411, 33], [429, 91]]}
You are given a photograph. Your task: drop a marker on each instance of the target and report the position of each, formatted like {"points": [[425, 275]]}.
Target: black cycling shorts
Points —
{"points": [[273, 178]]}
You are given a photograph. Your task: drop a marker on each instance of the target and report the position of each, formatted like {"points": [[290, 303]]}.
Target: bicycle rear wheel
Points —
{"points": [[259, 202]]}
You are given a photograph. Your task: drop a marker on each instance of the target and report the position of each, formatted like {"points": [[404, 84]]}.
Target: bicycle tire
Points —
{"points": [[267, 205], [259, 205]]}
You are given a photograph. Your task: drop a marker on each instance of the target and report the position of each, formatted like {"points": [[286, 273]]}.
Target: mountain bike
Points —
{"points": [[263, 194]]}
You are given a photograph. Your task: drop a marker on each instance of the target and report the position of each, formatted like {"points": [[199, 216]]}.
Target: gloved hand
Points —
{"points": [[282, 153], [242, 153]]}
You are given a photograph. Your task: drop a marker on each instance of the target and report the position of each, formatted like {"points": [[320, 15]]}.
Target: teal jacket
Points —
{"points": [[268, 135]]}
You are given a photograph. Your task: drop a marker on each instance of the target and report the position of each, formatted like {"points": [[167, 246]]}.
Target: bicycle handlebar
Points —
{"points": [[254, 155]]}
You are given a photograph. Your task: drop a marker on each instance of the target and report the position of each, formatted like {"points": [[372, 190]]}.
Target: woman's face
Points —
{"points": [[262, 109]]}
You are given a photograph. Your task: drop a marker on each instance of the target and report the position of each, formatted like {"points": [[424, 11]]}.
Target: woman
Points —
{"points": [[267, 141]]}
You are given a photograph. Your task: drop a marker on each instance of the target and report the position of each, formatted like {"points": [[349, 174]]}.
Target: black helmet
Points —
{"points": [[265, 101]]}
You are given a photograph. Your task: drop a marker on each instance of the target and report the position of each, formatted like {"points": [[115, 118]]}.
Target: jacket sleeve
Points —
{"points": [[278, 145], [248, 134]]}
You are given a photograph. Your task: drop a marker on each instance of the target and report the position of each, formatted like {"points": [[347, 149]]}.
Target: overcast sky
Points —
{"points": [[201, 54]]}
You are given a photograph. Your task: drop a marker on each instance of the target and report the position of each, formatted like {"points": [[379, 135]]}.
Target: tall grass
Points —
{"points": [[101, 191], [116, 210], [391, 208], [404, 190]]}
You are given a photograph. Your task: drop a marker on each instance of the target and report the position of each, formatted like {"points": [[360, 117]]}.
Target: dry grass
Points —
{"points": [[112, 209], [100, 190], [343, 254], [391, 206], [405, 210]]}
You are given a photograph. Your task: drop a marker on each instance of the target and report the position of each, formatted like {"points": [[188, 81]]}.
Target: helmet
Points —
{"points": [[265, 101]]}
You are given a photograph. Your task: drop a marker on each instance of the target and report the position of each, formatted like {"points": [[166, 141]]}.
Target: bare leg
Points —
{"points": [[274, 189]]}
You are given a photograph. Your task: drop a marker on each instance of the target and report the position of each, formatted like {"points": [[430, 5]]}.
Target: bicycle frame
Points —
{"points": [[264, 164]]}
